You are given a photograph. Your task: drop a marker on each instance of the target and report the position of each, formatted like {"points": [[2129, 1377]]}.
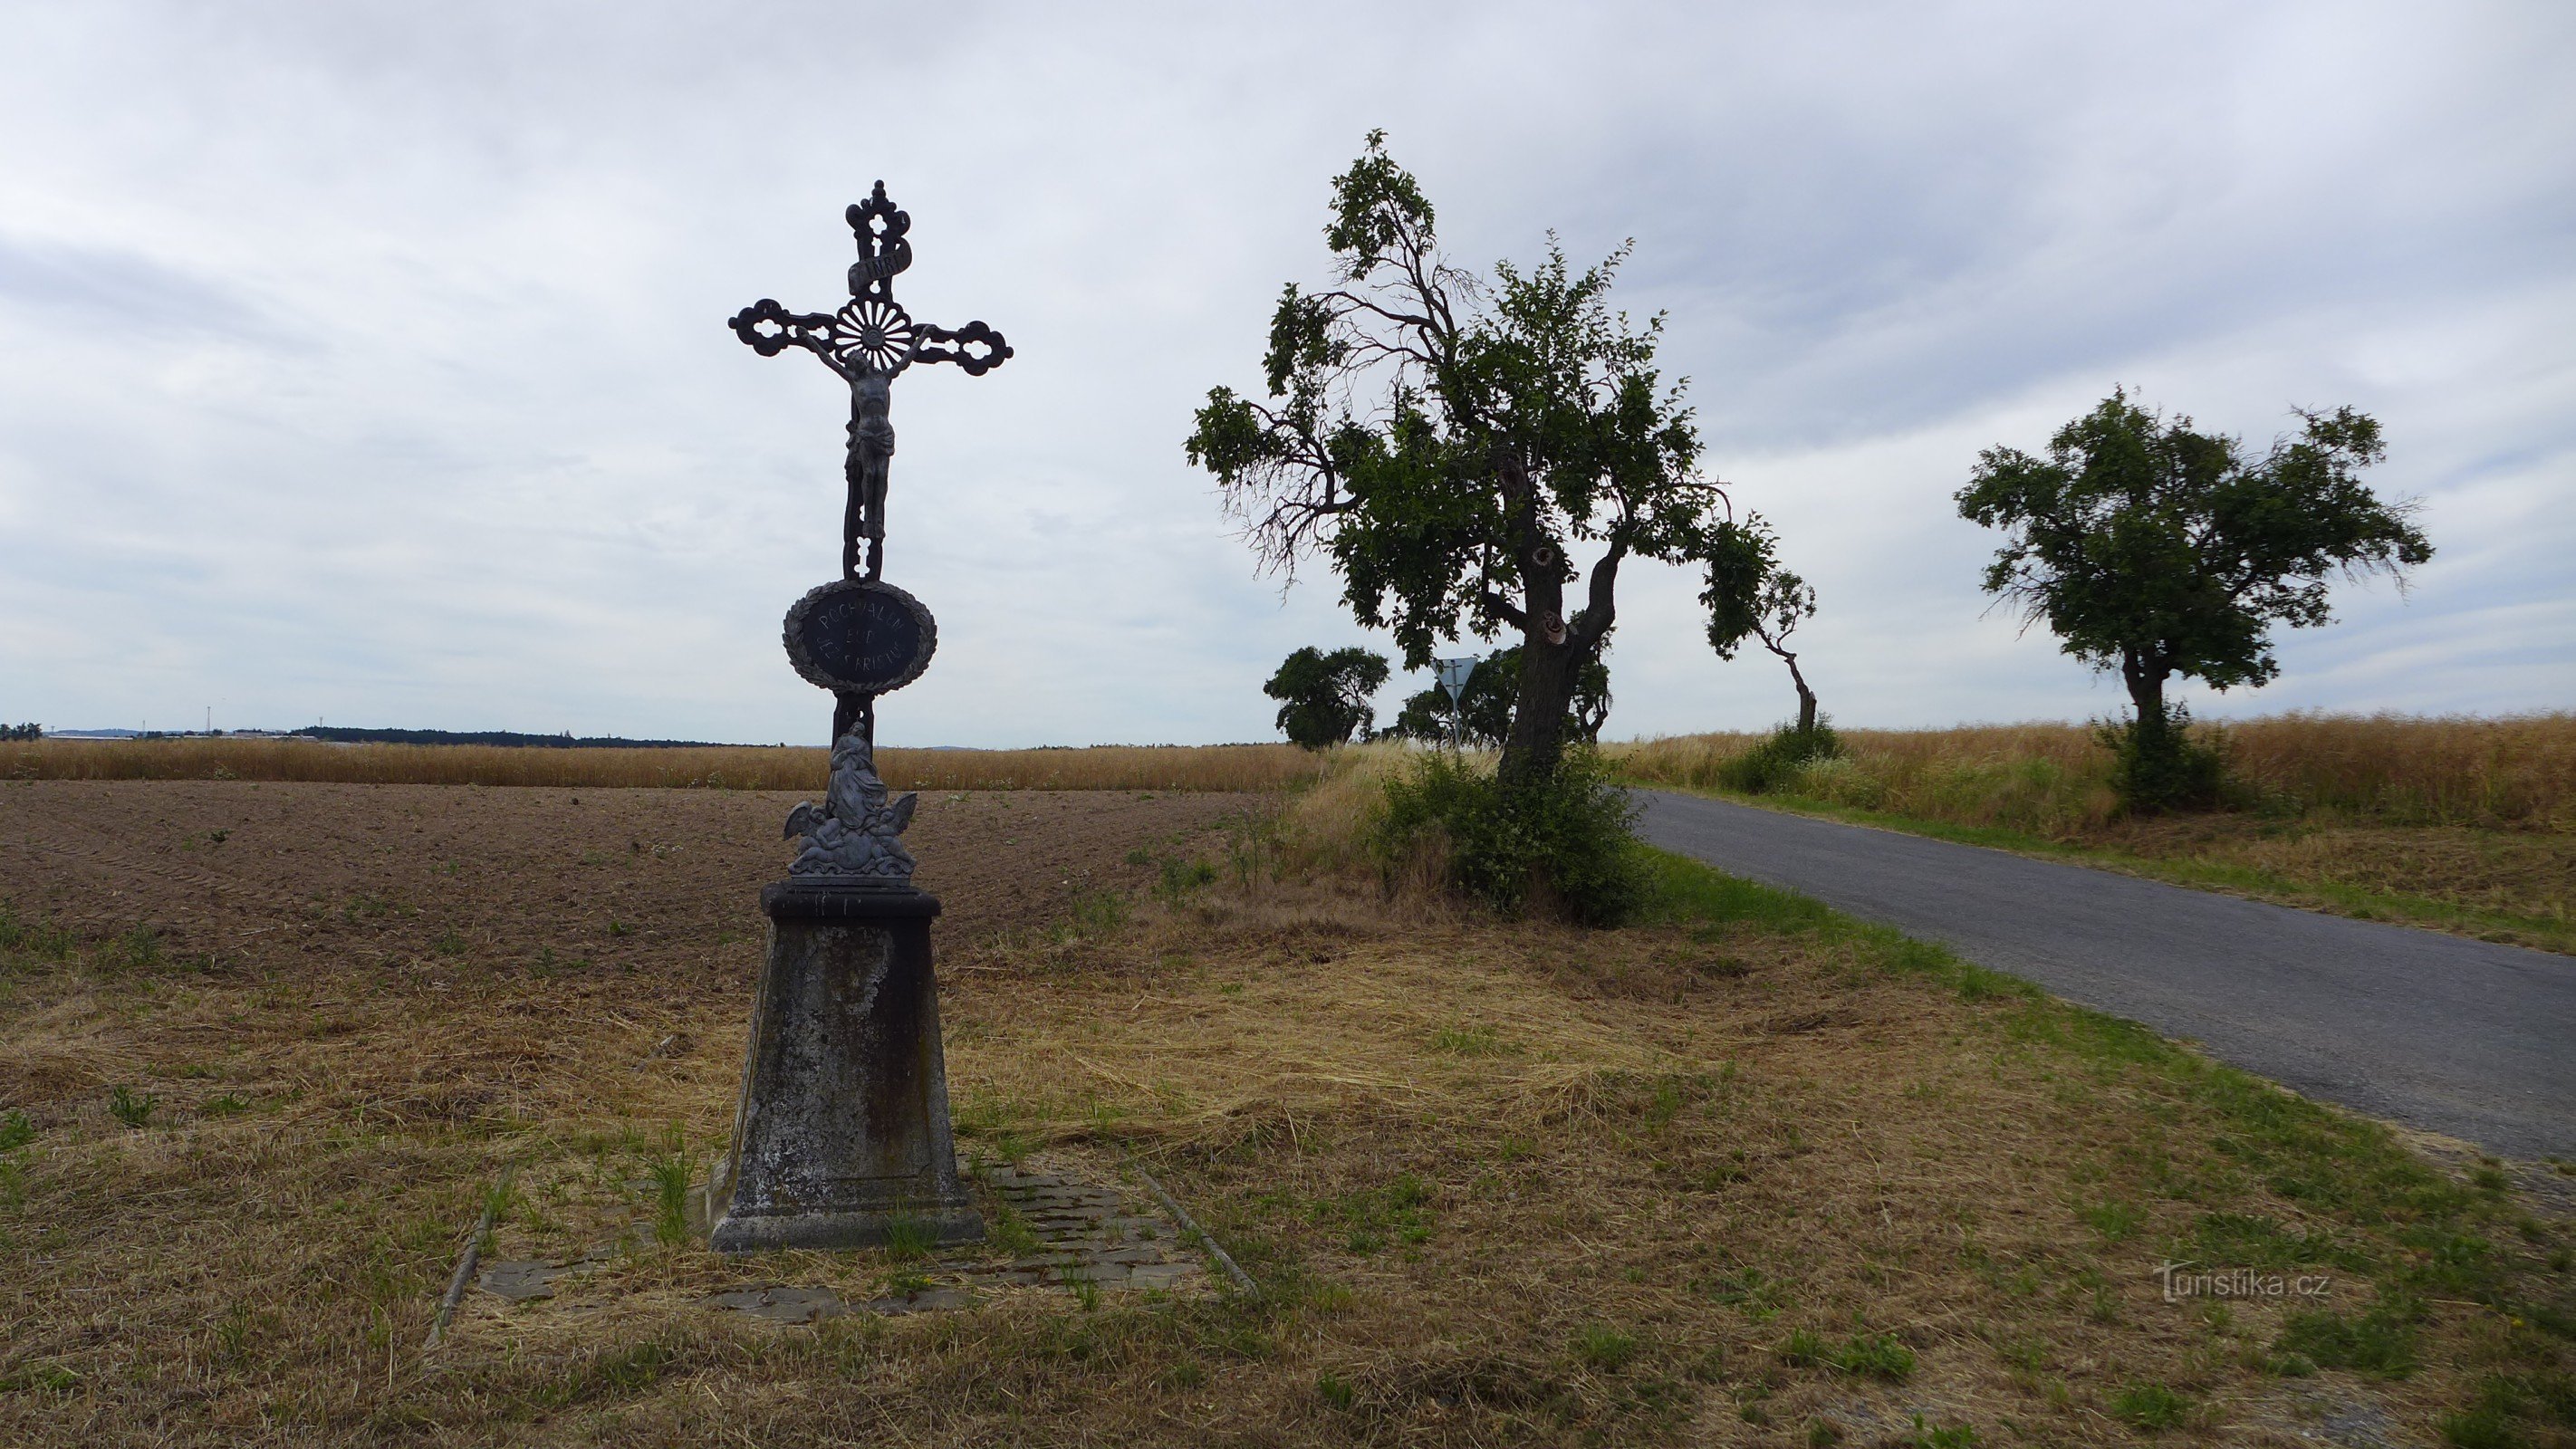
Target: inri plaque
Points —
{"points": [[860, 636]]}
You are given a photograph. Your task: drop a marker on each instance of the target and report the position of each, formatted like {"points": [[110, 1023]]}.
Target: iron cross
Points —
{"points": [[869, 342]]}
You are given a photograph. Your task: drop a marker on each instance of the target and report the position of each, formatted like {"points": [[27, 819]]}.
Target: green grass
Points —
{"points": [[1876, 1356], [1011, 1232], [1469, 1041], [1599, 1346], [132, 1110], [1372, 1217], [671, 1197], [39, 939], [1927, 1435], [2545, 932], [2149, 1406], [2380, 1341], [909, 1240]]}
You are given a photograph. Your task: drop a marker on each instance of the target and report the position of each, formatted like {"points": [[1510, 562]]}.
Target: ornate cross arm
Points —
{"points": [[870, 335], [770, 329], [973, 334]]}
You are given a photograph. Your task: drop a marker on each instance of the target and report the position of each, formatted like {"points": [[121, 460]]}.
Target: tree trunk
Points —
{"points": [[2146, 681], [1806, 696], [1548, 665], [1537, 740]]}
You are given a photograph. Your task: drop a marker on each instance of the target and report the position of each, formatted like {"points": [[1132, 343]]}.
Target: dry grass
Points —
{"points": [[1501, 1184], [2464, 825], [1101, 767], [2516, 772]]}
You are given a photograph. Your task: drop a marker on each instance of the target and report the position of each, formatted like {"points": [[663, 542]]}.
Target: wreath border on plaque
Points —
{"points": [[812, 669]]}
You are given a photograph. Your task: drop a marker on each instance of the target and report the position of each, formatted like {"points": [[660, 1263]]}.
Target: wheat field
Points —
{"points": [[1104, 767], [2514, 771]]}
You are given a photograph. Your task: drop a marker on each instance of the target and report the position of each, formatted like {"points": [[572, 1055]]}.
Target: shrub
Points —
{"points": [[1563, 844], [2156, 765], [1774, 762]]}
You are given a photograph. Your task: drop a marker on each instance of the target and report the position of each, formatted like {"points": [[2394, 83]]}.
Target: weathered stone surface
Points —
{"points": [[1111, 1243], [843, 1127], [520, 1281], [525, 1280], [1160, 1275], [783, 1305]]}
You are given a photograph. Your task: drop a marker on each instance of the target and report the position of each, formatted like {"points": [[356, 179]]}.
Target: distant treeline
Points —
{"points": [[338, 735]]}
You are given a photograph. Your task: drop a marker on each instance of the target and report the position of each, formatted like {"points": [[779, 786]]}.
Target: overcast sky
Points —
{"points": [[367, 362]]}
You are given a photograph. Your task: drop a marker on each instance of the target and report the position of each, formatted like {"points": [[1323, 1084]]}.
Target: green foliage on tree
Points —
{"points": [[1447, 442], [1485, 712], [1325, 697], [1748, 594], [22, 732], [2156, 550]]}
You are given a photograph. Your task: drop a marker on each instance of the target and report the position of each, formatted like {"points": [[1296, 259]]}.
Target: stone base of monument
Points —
{"points": [[843, 1129]]}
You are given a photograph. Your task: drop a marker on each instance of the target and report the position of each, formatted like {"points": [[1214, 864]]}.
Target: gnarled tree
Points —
{"points": [[1450, 443], [1748, 593]]}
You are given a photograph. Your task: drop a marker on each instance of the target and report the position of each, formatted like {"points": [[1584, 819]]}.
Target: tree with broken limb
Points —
{"points": [[1451, 442], [1748, 593]]}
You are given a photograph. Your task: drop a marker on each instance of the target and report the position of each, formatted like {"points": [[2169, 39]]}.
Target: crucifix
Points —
{"points": [[843, 1137], [869, 342]]}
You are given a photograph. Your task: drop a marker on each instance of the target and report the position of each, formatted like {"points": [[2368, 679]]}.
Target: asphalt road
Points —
{"points": [[2465, 1038]]}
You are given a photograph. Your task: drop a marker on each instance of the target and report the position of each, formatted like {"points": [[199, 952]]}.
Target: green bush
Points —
{"points": [[2156, 765], [1774, 762], [1563, 844]]}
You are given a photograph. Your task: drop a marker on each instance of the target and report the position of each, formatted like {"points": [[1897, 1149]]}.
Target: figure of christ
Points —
{"points": [[871, 458]]}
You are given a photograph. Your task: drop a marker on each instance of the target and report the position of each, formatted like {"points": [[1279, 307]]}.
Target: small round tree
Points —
{"points": [[2157, 551], [1324, 698]]}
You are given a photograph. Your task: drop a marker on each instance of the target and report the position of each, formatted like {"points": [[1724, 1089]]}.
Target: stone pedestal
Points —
{"points": [[843, 1128]]}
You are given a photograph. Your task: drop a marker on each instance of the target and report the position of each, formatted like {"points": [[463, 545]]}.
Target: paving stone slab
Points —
{"points": [[783, 1305], [1087, 1234], [527, 1279]]}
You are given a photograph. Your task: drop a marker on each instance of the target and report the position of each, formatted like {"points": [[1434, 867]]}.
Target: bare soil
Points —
{"points": [[651, 882]]}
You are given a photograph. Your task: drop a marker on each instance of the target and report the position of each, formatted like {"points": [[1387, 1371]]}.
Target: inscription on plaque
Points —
{"points": [[862, 636]]}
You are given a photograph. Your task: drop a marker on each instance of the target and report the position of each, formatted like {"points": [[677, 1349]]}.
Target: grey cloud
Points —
{"points": [[490, 458]]}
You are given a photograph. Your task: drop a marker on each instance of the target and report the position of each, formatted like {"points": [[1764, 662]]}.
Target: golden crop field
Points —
{"points": [[2516, 771], [1104, 767]]}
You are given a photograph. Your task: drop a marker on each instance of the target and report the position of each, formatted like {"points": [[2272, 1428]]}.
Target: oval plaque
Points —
{"points": [[864, 636]]}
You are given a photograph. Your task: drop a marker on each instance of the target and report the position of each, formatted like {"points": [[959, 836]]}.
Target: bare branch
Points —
{"points": [[1503, 609]]}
